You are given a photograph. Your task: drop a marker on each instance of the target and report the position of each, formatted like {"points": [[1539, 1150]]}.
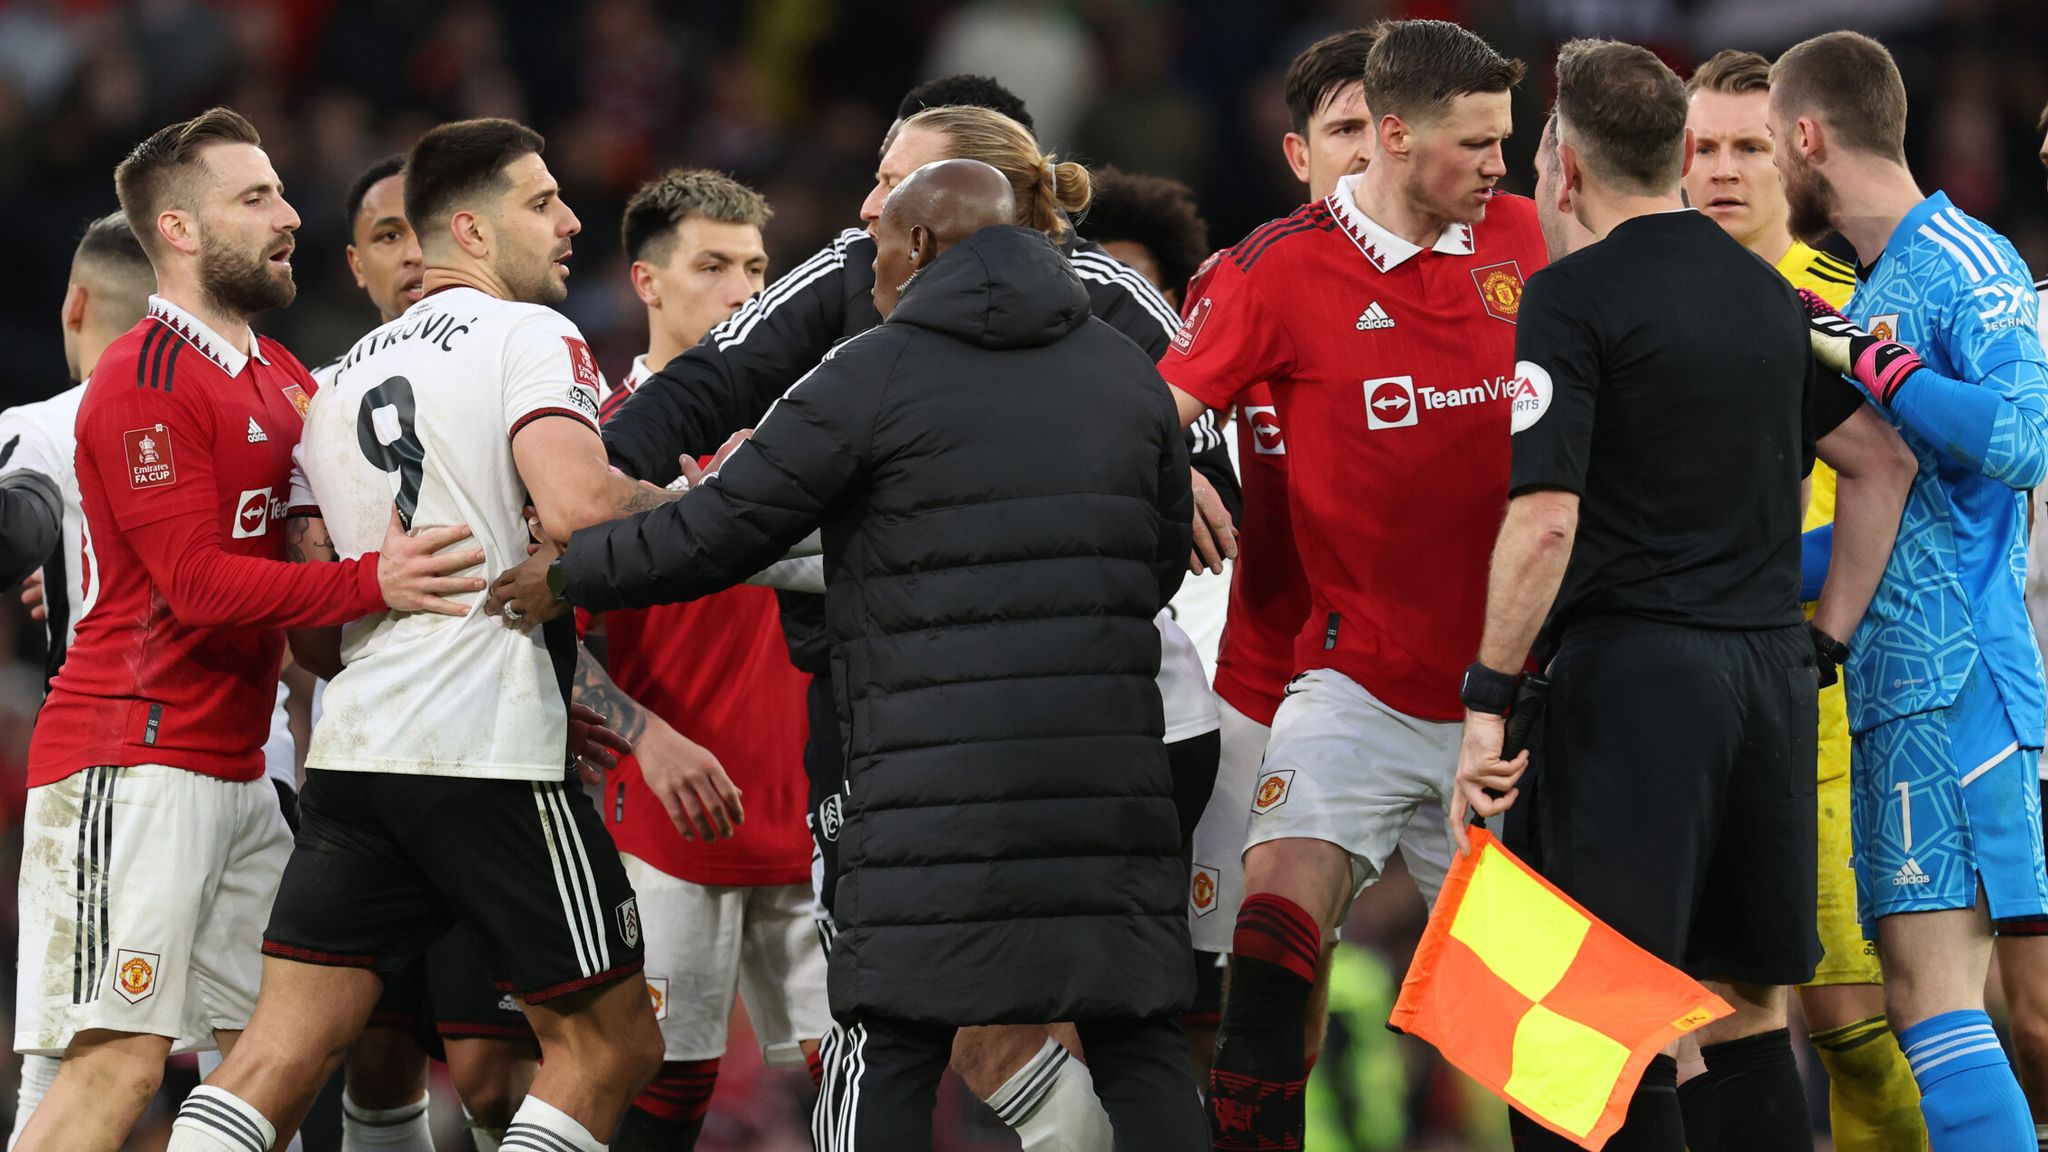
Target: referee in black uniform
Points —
{"points": [[1668, 408]]}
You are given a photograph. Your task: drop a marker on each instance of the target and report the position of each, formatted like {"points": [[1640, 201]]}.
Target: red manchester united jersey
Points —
{"points": [[717, 670], [1392, 368], [184, 467], [1268, 593]]}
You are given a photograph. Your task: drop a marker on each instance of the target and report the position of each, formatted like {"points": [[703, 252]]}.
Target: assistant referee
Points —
{"points": [[1654, 518]]}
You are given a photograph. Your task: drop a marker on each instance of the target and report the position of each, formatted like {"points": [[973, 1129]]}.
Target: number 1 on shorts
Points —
{"points": [[1906, 812]]}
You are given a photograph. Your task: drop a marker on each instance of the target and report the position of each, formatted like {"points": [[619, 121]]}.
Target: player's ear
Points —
{"points": [[75, 295], [1294, 146], [178, 229], [472, 233], [1685, 165], [924, 247], [1571, 175], [355, 265], [1810, 138], [643, 283], [1391, 134]]}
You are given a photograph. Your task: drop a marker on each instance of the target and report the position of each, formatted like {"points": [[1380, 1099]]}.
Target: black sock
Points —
{"points": [[1255, 1086], [1699, 1101], [1653, 1124], [1762, 1099], [643, 1131]]}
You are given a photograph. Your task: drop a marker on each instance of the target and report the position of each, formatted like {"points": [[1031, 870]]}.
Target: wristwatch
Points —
{"points": [[1485, 690], [558, 581]]}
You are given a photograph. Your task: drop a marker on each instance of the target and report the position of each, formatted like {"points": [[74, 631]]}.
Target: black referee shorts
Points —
{"points": [[1676, 794], [385, 864]]}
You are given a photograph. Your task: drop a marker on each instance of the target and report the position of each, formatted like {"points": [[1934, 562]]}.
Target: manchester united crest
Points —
{"points": [[1500, 289], [1885, 327], [1202, 889], [135, 974], [300, 401], [1272, 791]]}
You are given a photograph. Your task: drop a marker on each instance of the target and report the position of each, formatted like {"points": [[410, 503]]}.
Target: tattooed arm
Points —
{"points": [[687, 780], [306, 541]]}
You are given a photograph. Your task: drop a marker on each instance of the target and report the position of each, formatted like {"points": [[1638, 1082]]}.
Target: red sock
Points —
{"points": [[680, 1092], [1278, 931]]}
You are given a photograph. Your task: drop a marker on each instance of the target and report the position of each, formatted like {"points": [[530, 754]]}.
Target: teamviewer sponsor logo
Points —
{"points": [[1390, 402], [1267, 439], [252, 514]]}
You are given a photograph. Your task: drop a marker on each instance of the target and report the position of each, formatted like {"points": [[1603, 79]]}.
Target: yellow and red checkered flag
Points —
{"points": [[1527, 993]]}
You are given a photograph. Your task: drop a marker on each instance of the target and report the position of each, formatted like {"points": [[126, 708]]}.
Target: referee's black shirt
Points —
{"points": [[1665, 377]]}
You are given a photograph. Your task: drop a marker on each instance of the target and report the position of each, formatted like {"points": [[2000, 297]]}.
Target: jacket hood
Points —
{"points": [[1002, 287]]}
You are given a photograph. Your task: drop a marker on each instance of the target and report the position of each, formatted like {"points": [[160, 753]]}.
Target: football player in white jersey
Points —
{"points": [[108, 292], [437, 791], [444, 1004]]}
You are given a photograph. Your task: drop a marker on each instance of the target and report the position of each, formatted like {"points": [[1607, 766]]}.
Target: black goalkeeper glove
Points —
{"points": [[1829, 654]]}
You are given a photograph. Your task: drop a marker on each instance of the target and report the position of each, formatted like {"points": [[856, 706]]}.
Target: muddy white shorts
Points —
{"points": [[143, 895]]}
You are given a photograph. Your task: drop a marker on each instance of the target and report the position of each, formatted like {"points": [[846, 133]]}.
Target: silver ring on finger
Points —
{"points": [[514, 614]]}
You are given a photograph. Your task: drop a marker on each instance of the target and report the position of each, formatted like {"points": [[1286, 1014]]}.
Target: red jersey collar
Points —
{"points": [[1386, 250], [205, 339]]}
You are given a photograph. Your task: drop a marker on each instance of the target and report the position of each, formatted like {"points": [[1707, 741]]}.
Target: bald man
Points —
{"points": [[1003, 492]]}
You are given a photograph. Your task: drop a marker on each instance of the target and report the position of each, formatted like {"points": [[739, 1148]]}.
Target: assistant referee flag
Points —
{"points": [[1527, 993]]}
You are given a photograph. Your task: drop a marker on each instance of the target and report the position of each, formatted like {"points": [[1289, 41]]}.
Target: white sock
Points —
{"points": [[37, 1074], [1050, 1103], [539, 1126], [215, 1120], [408, 1127], [210, 1062], [485, 1139], [2040, 1130]]}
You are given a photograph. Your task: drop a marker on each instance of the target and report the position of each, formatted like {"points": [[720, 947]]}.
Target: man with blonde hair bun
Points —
{"points": [[728, 381]]}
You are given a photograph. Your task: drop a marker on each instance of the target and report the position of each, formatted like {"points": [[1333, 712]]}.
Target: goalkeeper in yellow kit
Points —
{"points": [[1873, 1102]]}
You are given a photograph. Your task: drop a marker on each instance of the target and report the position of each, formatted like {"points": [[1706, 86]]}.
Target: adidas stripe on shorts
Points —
{"points": [[143, 894], [385, 863]]}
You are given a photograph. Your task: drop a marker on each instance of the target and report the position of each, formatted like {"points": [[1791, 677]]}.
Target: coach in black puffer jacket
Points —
{"points": [[1003, 488]]}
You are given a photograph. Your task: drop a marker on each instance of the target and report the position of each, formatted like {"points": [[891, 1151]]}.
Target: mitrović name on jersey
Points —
{"points": [[434, 328]]}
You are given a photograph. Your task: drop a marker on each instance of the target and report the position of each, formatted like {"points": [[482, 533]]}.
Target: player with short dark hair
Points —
{"points": [[1650, 558], [1873, 1104], [1945, 687], [444, 1005], [185, 434], [725, 890], [1366, 735], [437, 790], [1150, 223], [964, 89]]}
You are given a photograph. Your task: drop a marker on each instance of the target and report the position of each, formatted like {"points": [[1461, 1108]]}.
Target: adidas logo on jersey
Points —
{"points": [[256, 433], [1910, 873], [1374, 318]]}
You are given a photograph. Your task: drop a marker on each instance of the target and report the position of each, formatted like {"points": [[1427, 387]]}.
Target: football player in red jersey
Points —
{"points": [[1412, 268], [725, 892], [145, 937]]}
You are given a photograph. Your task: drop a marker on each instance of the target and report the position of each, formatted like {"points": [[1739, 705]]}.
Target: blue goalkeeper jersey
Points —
{"points": [[1957, 293]]}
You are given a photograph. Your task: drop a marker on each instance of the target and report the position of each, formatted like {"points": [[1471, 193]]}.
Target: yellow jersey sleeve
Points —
{"points": [[1833, 281]]}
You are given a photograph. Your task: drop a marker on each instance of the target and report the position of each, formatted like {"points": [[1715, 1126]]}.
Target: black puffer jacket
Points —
{"points": [[1003, 487], [728, 380]]}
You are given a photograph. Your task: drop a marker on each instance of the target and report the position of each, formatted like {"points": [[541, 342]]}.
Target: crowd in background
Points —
{"points": [[791, 96]]}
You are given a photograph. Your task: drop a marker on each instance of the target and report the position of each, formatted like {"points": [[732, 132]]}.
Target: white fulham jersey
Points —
{"points": [[421, 412], [41, 437]]}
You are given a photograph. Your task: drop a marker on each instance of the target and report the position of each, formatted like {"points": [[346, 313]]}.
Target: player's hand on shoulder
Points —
{"points": [[416, 575], [690, 783]]}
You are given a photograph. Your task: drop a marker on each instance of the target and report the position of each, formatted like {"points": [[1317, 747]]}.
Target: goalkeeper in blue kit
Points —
{"points": [[1946, 702]]}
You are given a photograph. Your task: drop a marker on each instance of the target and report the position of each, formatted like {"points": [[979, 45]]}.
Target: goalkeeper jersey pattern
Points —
{"points": [[1957, 293]]}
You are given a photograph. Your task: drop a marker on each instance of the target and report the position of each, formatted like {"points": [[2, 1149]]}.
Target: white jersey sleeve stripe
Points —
{"points": [[826, 261], [1969, 266], [1108, 270]]}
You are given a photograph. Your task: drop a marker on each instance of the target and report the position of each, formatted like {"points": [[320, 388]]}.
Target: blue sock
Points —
{"points": [[1967, 1090]]}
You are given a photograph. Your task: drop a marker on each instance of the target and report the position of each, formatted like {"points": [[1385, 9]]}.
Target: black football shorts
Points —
{"points": [[385, 864]]}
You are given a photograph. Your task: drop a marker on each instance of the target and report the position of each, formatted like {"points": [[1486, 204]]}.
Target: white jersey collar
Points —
{"points": [[205, 339], [638, 375], [1386, 250]]}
